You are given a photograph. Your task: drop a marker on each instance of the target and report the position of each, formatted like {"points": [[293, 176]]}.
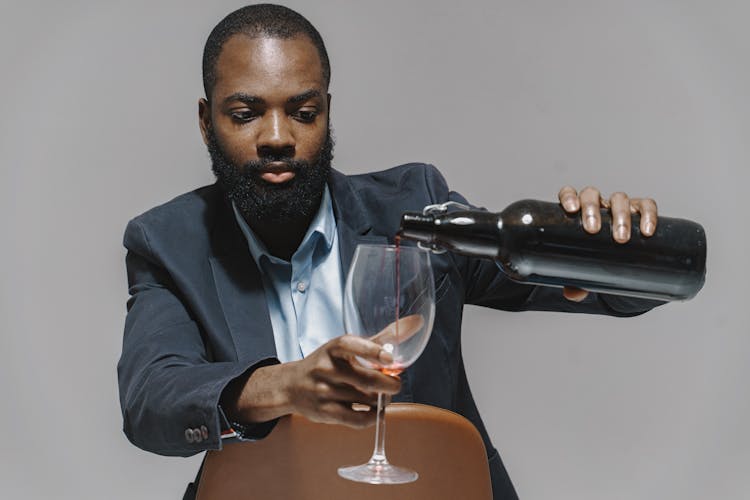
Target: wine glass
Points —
{"points": [[389, 299]]}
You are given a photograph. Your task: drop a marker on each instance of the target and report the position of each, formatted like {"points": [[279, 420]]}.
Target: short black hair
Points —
{"points": [[256, 21]]}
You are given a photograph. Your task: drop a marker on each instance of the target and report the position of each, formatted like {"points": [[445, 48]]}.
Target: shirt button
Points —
{"points": [[301, 287]]}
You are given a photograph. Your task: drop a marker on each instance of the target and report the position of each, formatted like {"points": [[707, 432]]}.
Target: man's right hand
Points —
{"points": [[322, 387]]}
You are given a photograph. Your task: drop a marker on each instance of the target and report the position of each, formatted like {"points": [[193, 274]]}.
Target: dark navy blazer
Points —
{"points": [[197, 316]]}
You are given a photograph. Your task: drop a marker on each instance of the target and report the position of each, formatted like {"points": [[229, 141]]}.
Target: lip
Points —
{"points": [[277, 172], [276, 167]]}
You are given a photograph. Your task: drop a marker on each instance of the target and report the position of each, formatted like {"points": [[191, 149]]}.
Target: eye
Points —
{"points": [[305, 115], [243, 116]]}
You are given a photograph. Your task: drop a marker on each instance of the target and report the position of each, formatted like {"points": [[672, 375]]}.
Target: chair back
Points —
{"points": [[299, 460]]}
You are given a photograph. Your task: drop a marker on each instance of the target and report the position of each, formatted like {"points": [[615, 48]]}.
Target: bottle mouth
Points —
{"points": [[416, 226]]}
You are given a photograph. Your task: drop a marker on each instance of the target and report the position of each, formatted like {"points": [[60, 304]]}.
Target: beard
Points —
{"points": [[257, 200]]}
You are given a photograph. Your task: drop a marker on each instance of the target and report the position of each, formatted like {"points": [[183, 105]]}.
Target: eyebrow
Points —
{"points": [[243, 97], [254, 99], [304, 96]]}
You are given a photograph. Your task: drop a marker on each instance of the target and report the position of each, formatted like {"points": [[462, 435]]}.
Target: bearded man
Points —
{"points": [[235, 315]]}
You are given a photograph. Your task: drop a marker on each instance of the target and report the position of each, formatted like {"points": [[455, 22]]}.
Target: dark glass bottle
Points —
{"points": [[539, 243]]}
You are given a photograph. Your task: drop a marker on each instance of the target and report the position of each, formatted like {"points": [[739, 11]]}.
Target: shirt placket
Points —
{"points": [[282, 272], [300, 289]]}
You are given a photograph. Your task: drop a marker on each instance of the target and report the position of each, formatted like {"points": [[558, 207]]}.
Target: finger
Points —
{"points": [[647, 208], [373, 381], [334, 412], [345, 393], [365, 380], [590, 205], [399, 331], [568, 197], [574, 294], [620, 208], [348, 346]]}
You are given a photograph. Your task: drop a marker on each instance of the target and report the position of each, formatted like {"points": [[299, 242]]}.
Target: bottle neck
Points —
{"points": [[417, 227], [474, 233]]}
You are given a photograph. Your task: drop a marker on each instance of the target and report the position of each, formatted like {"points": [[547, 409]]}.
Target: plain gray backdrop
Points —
{"points": [[511, 99]]}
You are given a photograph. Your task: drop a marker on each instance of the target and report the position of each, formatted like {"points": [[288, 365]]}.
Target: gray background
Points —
{"points": [[510, 99]]}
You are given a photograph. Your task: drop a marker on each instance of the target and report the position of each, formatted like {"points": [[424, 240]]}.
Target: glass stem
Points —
{"points": [[378, 454]]}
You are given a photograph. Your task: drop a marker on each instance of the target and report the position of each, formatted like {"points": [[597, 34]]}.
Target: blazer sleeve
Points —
{"points": [[169, 385], [485, 284]]}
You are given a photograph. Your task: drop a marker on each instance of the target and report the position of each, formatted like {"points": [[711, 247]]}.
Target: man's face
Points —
{"points": [[267, 127]]}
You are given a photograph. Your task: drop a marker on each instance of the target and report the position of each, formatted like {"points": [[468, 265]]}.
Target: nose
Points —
{"points": [[276, 137]]}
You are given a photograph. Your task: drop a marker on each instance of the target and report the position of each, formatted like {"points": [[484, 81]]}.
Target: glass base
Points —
{"points": [[378, 473]]}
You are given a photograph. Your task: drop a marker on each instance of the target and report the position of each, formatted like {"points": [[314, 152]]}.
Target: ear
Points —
{"points": [[204, 118], [329, 104]]}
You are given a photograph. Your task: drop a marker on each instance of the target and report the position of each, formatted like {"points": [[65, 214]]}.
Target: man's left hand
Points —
{"points": [[589, 202]]}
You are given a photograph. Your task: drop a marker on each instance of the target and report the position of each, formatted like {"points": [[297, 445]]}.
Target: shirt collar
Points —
{"points": [[322, 228]]}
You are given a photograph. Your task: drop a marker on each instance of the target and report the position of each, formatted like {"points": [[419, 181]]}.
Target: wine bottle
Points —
{"points": [[537, 242]]}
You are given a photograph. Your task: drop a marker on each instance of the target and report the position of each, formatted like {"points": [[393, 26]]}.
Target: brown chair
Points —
{"points": [[300, 458]]}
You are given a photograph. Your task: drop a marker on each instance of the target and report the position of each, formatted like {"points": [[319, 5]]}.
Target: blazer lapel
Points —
{"points": [[240, 290], [352, 220]]}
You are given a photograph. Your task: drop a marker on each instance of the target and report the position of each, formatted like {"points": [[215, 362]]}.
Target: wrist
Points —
{"points": [[265, 394]]}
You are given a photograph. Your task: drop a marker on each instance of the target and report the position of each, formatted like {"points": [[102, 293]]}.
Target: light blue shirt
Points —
{"points": [[304, 296]]}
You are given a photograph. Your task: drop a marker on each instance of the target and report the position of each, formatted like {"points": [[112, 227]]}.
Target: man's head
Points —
{"points": [[265, 117]]}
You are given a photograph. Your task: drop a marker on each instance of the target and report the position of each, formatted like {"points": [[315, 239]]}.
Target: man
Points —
{"points": [[235, 315]]}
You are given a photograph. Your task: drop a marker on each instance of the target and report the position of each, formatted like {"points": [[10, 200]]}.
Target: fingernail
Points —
{"points": [[621, 232], [576, 298], [649, 229], [385, 357], [592, 223]]}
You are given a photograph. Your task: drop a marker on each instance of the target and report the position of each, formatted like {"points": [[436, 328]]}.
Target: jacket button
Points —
{"points": [[197, 435], [204, 432], [189, 437]]}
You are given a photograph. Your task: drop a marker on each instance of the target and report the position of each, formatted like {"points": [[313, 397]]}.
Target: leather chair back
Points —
{"points": [[299, 460]]}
